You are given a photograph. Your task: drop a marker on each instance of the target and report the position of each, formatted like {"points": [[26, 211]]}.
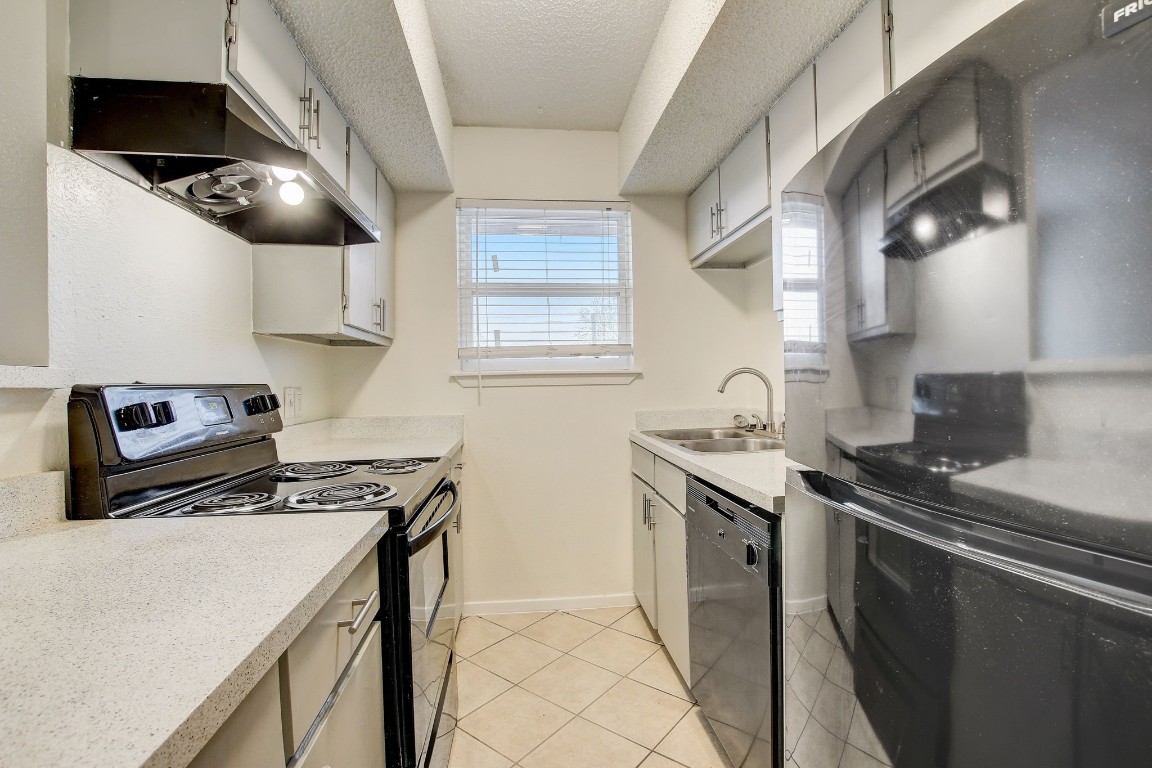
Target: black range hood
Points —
{"points": [[974, 201], [200, 145]]}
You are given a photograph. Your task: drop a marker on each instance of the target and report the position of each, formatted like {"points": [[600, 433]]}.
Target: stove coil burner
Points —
{"points": [[233, 504], [312, 470], [340, 496], [396, 466]]}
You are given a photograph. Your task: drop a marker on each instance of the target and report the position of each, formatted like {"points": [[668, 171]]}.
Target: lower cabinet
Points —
{"points": [[350, 731], [671, 556], [660, 555], [252, 737], [643, 551]]}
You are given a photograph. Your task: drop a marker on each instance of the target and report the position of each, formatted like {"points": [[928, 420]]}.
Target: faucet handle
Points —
{"points": [[740, 421], [758, 423]]}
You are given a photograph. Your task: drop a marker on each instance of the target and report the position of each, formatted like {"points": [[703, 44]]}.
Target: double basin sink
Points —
{"points": [[721, 440]]}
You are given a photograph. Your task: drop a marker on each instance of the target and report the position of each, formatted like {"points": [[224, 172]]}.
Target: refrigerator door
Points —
{"points": [[996, 306], [978, 646]]}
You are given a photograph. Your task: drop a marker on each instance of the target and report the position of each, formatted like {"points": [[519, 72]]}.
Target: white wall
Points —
{"points": [[142, 290], [23, 243], [547, 482]]}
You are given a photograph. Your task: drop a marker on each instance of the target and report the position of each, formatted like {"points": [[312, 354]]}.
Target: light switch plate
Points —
{"points": [[299, 401], [290, 401]]}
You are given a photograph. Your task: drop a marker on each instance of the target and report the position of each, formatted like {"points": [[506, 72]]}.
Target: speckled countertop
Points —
{"points": [[129, 642], [754, 477], [849, 428]]}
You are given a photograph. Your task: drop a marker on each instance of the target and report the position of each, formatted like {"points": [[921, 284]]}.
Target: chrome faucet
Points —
{"points": [[770, 426]]}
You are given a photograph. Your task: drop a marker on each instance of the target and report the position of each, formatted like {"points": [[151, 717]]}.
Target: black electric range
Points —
{"points": [[146, 451], [963, 422]]}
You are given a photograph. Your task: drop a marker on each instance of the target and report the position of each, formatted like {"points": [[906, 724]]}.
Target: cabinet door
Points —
{"points": [[351, 734], [360, 308], [265, 59], [386, 256], [702, 231], [643, 558], [949, 125], [327, 136], [873, 265], [923, 30], [671, 544], [253, 736], [851, 73], [361, 176], [744, 181], [850, 223], [832, 550], [792, 122], [903, 160]]}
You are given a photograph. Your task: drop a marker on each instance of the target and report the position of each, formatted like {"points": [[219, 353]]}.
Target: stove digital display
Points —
{"points": [[213, 410]]}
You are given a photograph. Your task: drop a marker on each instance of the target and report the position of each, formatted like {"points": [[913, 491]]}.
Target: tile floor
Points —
{"points": [[595, 689], [824, 725], [578, 689]]}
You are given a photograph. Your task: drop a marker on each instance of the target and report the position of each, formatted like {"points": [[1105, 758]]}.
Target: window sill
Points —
{"points": [[589, 378]]}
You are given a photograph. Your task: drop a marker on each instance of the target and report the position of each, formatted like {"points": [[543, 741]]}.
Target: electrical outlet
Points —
{"points": [[289, 402], [299, 401]]}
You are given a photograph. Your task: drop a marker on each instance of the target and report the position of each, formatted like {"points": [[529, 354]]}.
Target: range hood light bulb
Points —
{"points": [[925, 228], [284, 174], [291, 193]]}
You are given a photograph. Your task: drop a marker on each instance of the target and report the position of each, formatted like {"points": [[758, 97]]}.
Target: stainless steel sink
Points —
{"points": [[733, 445], [720, 440], [701, 434]]}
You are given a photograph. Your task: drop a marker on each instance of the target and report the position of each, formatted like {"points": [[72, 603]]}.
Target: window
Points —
{"points": [[544, 285], [803, 265]]}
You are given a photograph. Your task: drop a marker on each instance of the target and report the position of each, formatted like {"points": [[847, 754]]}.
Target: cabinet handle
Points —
{"points": [[306, 117], [719, 221], [316, 114], [377, 307], [645, 511], [354, 625], [712, 212]]}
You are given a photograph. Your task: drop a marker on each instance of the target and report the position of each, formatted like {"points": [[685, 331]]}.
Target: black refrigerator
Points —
{"points": [[968, 350]]}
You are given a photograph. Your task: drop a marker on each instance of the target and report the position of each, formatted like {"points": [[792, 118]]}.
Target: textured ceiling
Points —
{"points": [[753, 51], [378, 60], [542, 63]]}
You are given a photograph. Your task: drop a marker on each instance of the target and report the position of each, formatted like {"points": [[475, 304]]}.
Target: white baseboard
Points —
{"points": [[804, 606], [494, 607]]}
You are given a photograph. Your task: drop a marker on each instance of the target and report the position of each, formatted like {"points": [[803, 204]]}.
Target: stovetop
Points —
{"points": [[328, 486], [929, 458]]}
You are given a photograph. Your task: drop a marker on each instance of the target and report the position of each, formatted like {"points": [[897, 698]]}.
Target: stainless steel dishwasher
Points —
{"points": [[736, 623]]}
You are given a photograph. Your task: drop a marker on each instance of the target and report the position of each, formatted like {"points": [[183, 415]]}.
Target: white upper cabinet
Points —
{"points": [[264, 58], [852, 74], [792, 121], [702, 231], [325, 132], [949, 126], [744, 181], [361, 176], [903, 157], [386, 256], [728, 222], [923, 30], [361, 308]]}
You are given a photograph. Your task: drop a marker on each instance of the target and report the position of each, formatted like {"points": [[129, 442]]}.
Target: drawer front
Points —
{"points": [[252, 736], [671, 483], [315, 659], [351, 732], [643, 464]]}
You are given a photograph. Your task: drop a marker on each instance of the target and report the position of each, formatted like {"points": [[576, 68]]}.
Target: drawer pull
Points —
{"points": [[354, 625]]}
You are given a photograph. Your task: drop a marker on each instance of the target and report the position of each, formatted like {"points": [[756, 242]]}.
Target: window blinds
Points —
{"points": [[802, 252], [544, 279]]}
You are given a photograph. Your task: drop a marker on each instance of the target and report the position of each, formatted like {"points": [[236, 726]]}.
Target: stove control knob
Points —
{"points": [[136, 416], [258, 404], [165, 413]]}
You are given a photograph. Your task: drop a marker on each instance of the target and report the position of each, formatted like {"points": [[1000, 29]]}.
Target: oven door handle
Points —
{"points": [[1094, 575], [429, 534]]}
